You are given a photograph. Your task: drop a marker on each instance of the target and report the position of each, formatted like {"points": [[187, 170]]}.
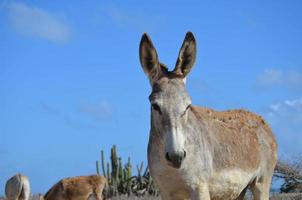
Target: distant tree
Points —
{"points": [[291, 172]]}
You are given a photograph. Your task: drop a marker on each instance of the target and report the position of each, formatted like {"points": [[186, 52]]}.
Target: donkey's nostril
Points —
{"points": [[185, 153], [167, 156], [175, 159]]}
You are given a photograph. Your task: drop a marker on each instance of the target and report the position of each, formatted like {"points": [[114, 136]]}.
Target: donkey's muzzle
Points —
{"points": [[175, 159]]}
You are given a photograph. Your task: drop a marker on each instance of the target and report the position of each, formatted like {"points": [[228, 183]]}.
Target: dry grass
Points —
{"points": [[289, 196]]}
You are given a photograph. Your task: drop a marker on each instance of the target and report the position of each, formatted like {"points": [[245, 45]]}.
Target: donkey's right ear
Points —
{"points": [[148, 57]]}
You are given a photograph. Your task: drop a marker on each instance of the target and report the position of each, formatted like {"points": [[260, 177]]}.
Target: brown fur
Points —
{"points": [[236, 137], [77, 188]]}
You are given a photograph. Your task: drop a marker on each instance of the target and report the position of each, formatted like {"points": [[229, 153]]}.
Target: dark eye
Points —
{"points": [[156, 107], [186, 110]]}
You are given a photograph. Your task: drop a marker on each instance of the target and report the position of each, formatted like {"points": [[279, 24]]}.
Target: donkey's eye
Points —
{"points": [[156, 107], [187, 108]]}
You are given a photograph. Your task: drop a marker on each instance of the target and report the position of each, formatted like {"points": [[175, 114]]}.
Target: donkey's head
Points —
{"points": [[169, 98]]}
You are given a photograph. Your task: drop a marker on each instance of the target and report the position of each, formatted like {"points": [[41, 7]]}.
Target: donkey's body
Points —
{"points": [[199, 153], [17, 188], [77, 188], [229, 152]]}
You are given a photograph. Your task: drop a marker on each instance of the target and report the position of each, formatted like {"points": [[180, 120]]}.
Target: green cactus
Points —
{"points": [[103, 162], [128, 169], [114, 162], [120, 179], [120, 169], [97, 167], [108, 172]]}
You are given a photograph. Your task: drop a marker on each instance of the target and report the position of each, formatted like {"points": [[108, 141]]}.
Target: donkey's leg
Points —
{"points": [[242, 194], [93, 197], [201, 193], [260, 188], [98, 194], [25, 193]]}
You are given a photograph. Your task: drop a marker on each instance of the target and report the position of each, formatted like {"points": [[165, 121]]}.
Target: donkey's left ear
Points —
{"points": [[186, 57], [148, 58]]}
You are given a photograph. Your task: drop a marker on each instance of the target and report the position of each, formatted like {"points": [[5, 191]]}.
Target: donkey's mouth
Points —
{"points": [[175, 165]]}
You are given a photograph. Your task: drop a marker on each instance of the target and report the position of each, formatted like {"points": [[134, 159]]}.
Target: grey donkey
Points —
{"points": [[17, 188], [198, 153]]}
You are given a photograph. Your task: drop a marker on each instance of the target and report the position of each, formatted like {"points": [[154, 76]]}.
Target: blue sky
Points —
{"points": [[71, 83]]}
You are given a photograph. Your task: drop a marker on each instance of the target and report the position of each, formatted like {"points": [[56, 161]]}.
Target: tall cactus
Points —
{"points": [[128, 169], [108, 172], [97, 167], [114, 163], [120, 169], [120, 179], [103, 162]]}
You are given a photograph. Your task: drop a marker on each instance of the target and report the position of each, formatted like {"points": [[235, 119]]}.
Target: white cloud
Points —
{"points": [[99, 111], [290, 110], [275, 107], [33, 21], [286, 120], [274, 77], [294, 103]]}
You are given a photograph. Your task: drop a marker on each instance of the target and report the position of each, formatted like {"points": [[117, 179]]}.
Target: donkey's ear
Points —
{"points": [[186, 57], [148, 57]]}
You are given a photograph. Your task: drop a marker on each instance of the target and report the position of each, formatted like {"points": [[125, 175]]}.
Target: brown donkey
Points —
{"points": [[77, 188], [198, 153]]}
